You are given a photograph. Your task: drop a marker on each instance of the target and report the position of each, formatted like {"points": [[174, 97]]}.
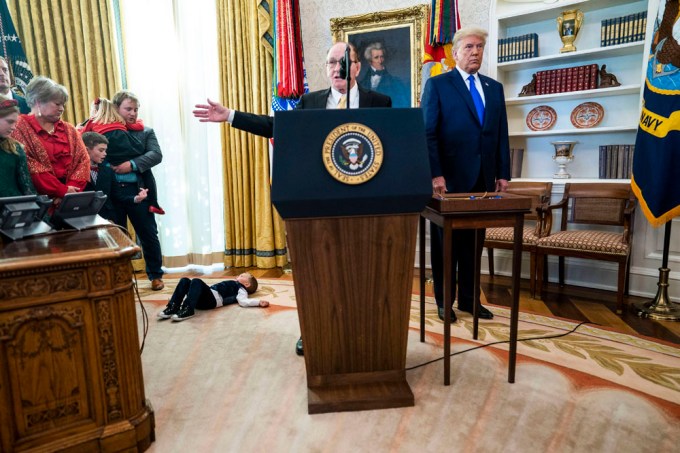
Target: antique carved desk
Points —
{"points": [[474, 211], [71, 373]]}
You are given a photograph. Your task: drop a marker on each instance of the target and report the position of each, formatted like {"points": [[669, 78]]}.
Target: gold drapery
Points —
{"points": [[71, 42], [254, 232]]}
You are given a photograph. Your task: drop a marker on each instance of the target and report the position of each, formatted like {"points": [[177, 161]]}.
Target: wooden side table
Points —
{"points": [[474, 211]]}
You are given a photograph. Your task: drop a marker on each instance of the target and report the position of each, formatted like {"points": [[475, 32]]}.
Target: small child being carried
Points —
{"points": [[192, 294]]}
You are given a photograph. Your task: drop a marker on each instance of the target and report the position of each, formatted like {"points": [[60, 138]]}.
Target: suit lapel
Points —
{"points": [[489, 94], [364, 98], [321, 100], [463, 91]]}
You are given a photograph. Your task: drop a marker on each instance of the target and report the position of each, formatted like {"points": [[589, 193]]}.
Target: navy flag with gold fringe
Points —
{"points": [[12, 50], [656, 163]]}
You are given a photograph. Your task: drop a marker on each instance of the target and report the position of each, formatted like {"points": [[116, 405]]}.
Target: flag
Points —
{"points": [[290, 78], [289, 75], [443, 23], [13, 51], [656, 162]]}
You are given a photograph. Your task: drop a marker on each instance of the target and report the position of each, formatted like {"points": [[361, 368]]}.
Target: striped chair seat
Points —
{"points": [[507, 234], [586, 241]]}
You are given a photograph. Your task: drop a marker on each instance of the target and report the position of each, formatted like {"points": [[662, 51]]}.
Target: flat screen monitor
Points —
{"points": [[79, 210], [22, 216]]}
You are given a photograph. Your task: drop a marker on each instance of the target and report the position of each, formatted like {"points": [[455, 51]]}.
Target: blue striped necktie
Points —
{"points": [[477, 99]]}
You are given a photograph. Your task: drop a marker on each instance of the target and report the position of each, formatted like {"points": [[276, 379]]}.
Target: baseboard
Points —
{"points": [[591, 274]]}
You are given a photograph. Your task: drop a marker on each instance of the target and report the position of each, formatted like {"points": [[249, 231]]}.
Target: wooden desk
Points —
{"points": [[463, 212], [71, 373]]}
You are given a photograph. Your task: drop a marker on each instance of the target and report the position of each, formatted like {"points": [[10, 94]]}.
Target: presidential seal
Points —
{"points": [[352, 153]]}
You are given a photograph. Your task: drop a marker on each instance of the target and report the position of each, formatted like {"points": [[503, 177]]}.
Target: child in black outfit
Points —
{"points": [[102, 176], [194, 293]]}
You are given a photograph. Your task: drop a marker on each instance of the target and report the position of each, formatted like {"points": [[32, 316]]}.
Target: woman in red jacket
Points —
{"points": [[56, 156]]}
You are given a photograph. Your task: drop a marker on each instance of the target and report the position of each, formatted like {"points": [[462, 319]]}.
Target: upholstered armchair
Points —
{"points": [[596, 223], [502, 238]]}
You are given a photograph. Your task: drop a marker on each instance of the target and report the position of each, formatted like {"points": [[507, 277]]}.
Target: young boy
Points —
{"points": [[194, 293], [102, 176]]}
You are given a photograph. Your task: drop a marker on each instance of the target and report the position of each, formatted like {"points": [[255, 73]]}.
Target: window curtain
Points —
{"points": [[213, 182], [254, 232], [70, 41], [171, 64]]}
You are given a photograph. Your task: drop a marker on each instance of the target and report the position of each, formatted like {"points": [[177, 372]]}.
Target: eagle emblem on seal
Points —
{"points": [[353, 151]]}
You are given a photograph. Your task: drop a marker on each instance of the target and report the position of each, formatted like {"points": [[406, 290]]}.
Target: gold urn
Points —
{"points": [[568, 26]]}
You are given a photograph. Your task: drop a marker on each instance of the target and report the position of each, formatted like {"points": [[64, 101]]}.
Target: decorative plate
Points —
{"points": [[541, 118], [588, 114]]}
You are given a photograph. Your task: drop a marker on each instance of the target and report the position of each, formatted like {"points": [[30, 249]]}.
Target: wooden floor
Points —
{"points": [[570, 302]]}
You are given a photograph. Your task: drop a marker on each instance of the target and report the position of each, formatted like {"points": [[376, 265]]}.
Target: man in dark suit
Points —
{"points": [[467, 137], [5, 88], [331, 98]]}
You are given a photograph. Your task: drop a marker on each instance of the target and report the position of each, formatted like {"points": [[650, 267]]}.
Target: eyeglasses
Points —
{"points": [[332, 63]]}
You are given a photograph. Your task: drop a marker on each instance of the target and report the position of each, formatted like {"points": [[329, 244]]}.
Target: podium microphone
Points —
{"points": [[344, 73]]}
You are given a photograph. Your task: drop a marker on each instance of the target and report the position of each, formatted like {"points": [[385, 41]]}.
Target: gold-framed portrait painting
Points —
{"points": [[390, 47]]}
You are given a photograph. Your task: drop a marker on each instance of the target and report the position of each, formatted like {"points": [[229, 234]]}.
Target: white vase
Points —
{"points": [[563, 155]]}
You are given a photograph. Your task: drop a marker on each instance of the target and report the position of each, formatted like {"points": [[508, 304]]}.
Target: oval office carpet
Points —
{"points": [[229, 380]]}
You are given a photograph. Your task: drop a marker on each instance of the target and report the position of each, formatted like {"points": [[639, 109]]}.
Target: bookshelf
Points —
{"points": [[621, 104], [619, 127]]}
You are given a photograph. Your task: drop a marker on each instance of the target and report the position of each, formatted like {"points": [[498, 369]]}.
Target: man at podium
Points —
{"points": [[330, 98]]}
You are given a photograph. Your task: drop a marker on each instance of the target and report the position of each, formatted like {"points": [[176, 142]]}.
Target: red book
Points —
{"points": [[553, 81], [594, 73], [585, 78], [580, 78], [570, 79]]}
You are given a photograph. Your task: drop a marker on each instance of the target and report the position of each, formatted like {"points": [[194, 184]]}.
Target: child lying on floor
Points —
{"points": [[195, 293]]}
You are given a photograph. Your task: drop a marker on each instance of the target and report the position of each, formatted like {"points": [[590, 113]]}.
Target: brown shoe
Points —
{"points": [[157, 284]]}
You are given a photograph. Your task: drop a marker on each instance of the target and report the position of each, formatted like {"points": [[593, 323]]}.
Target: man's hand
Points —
{"points": [[72, 189], [439, 185], [501, 185], [213, 112], [264, 303], [125, 167]]}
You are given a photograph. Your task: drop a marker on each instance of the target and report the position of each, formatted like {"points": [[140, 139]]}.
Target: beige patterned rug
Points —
{"points": [[229, 380]]}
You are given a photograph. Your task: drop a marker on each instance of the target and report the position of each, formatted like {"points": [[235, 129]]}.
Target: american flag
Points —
{"points": [[13, 51]]}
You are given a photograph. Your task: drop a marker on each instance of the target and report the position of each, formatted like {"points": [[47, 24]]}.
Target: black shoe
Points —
{"points": [[298, 347], [482, 313], [184, 313], [440, 312], [171, 309]]}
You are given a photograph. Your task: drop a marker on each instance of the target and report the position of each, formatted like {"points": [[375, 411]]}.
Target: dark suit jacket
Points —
{"points": [[23, 106], [459, 146], [264, 125]]}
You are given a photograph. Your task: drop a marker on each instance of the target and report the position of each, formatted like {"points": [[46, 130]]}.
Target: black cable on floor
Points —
{"points": [[145, 314], [501, 342]]}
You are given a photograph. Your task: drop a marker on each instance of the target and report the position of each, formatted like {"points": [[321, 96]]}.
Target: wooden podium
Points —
{"points": [[71, 374], [352, 248]]}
